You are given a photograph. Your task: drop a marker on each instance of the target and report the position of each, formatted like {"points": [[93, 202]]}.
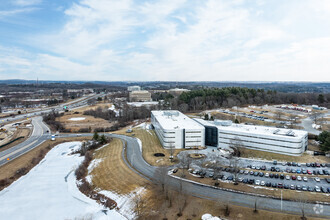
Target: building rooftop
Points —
{"points": [[172, 119], [140, 92], [255, 129]]}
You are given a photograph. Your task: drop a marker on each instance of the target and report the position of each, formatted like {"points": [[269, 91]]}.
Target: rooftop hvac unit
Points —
{"points": [[290, 133], [171, 113], [223, 122], [276, 131]]}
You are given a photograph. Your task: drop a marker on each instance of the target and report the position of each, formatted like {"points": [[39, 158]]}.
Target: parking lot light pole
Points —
{"points": [[281, 199]]}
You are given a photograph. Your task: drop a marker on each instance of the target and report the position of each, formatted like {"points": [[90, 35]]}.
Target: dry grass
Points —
{"points": [[304, 158], [287, 193], [90, 107], [89, 121], [151, 145], [9, 169], [112, 173], [21, 132]]}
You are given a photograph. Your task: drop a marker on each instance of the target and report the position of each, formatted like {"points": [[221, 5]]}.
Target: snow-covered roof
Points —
{"points": [[172, 119], [255, 129]]}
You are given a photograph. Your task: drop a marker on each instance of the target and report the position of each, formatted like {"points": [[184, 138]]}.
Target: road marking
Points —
{"points": [[18, 150]]}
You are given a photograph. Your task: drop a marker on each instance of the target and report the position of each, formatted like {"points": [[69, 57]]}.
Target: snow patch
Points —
{"points": [[140, 143], [77, 119], [209, 217], [125, 203], [49, 191]]}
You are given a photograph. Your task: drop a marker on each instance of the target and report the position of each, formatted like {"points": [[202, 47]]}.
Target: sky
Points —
{"points": [[165, 40]]}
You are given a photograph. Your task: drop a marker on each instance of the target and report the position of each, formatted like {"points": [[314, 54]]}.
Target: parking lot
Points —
{"points": [[302, 177]]}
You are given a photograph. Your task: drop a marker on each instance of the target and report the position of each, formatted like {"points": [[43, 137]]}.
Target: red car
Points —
{"points": [[309, 172], [293, 177]]}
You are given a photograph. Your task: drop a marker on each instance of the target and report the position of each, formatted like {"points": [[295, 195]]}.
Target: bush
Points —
{"points": [[4, 182]]}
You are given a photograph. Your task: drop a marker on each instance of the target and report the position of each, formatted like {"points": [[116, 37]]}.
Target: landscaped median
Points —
{"points": [[261, 191]]}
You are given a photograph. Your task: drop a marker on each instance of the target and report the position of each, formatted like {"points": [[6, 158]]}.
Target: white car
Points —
{"points": [[257, 182], [262, 183], [267, 175], [299, 178], [287, 177], [305, 179], [317, 179]]}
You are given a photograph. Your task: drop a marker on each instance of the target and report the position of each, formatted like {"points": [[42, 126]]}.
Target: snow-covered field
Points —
{"points": [[49, 191], [77, 119]]}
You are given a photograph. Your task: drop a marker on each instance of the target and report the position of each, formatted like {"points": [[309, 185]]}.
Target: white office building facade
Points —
{"points": [[176, 130], [224, 134]]}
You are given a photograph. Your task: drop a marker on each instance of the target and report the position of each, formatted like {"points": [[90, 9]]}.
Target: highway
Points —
{"points": [[74, 104], [39, 135]]}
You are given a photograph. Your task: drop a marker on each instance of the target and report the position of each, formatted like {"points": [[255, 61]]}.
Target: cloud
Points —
{"points": [[26, 2], [182, 40]]}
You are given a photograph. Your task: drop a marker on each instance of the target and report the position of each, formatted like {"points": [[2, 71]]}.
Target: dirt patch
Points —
{"points": [[21, 132], [88, 122], [197, 156]]}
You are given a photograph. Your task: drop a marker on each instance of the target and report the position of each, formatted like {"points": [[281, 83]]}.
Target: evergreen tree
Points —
{"points": [[96, 136]]}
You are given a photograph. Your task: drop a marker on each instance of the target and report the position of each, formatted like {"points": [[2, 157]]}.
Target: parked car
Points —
{"points": [[308, 164], [246, 172], [282, 176], [271, 175], [261, 174], [293, 177], [299, 178], [267, 175], [305, 179], [317, 179], [268, 184], [317, 189], [274, 185], [287, 177], [304, 188], [262, 183], [292, 187], [324, 189], [280, 185], [311, 189], [309, 172], [245, 180], [286, 186], [257, 182], [298, 187], [276, 176]]}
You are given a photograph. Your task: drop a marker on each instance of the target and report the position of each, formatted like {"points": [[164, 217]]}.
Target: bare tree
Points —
{"points": [[182, 197], [236, 144], [278, 114], [315, 116], [161, 177], [255, 210], [140, 205], [236, 167], [302, 202], [171, 151]]}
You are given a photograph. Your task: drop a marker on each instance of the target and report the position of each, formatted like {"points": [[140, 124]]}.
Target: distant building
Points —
{"points": [[176, 130], [223, 134], [133, 88], [177, 91], [140, 96]]}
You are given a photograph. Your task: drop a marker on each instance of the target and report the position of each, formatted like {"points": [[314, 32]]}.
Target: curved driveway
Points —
{"points": [[134, 156]]}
